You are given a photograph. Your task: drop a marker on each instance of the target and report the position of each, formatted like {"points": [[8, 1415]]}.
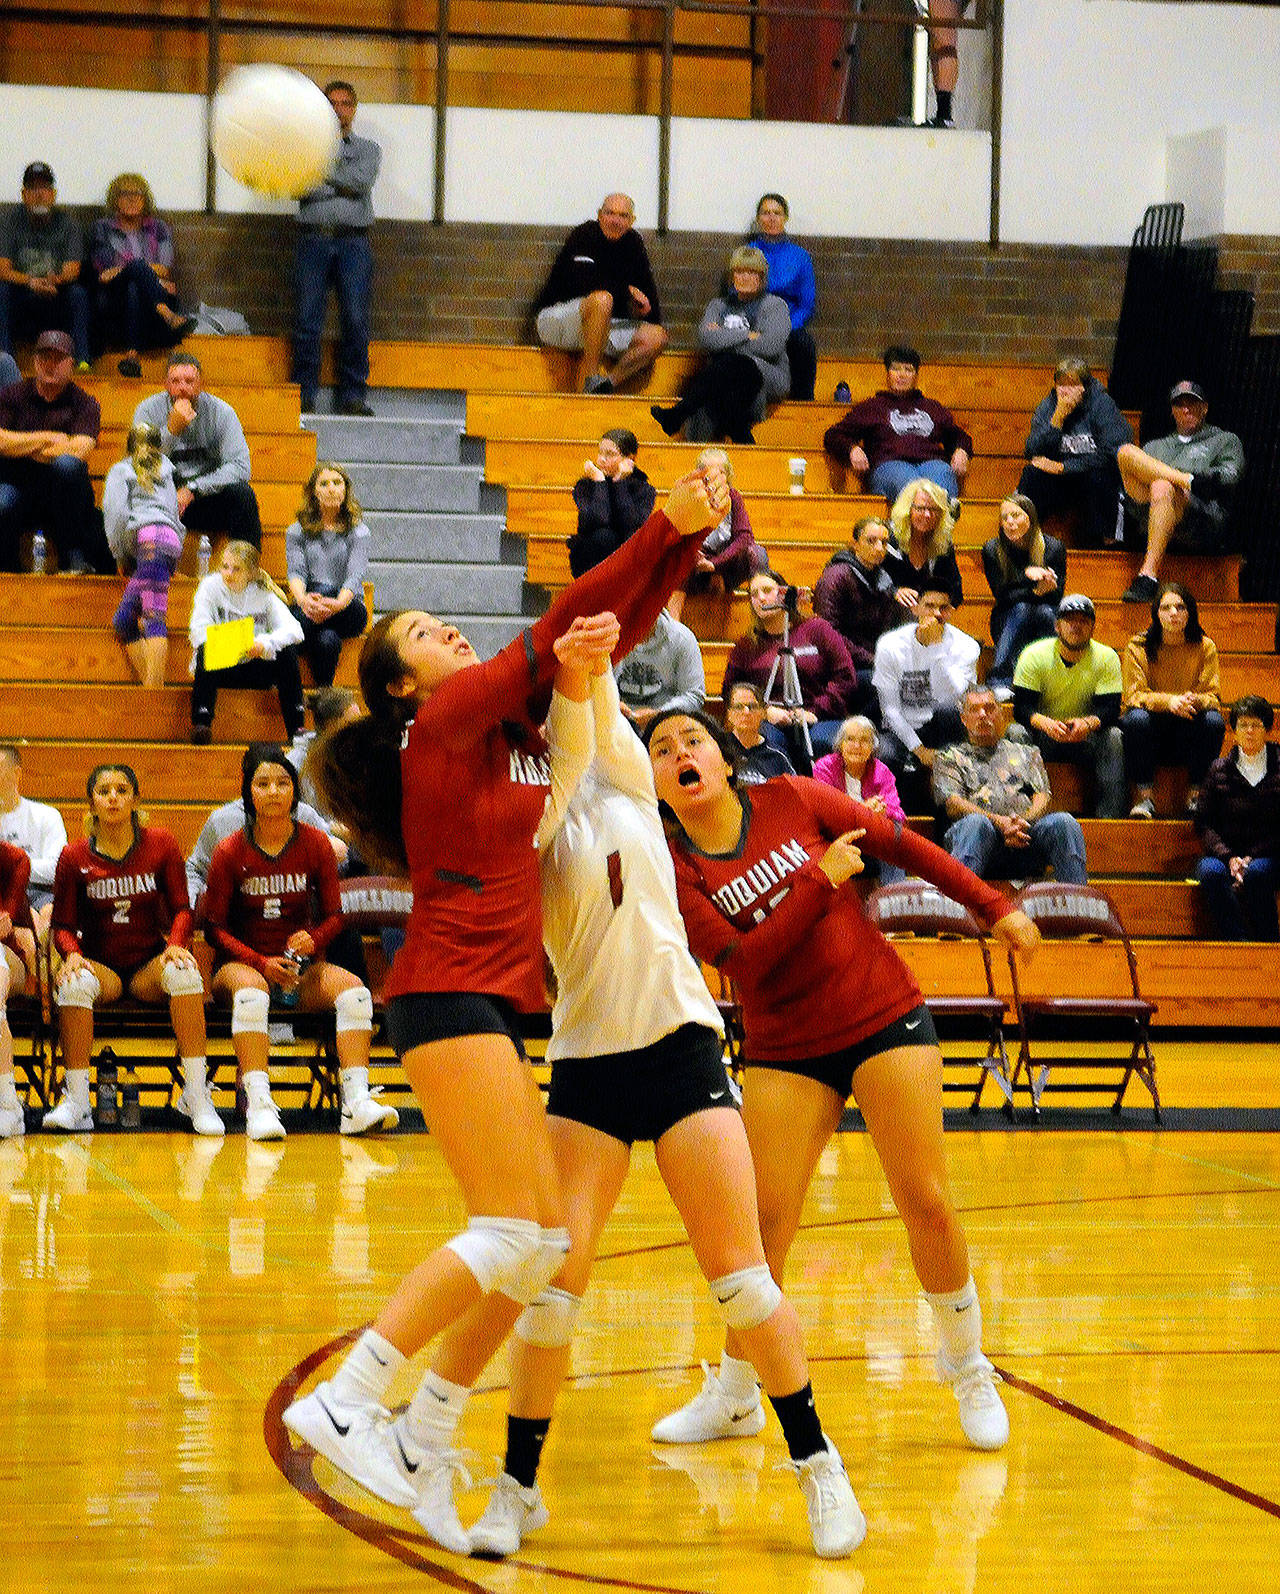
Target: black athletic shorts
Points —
{"points": [[836, 1069], [419, 1018], [639, 1095]]}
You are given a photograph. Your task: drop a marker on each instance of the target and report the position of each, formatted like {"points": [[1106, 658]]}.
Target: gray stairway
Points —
{"points": [[438, 529]]}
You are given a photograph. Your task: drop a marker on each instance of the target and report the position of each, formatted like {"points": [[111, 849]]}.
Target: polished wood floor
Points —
{"points": [[160, 1299]]}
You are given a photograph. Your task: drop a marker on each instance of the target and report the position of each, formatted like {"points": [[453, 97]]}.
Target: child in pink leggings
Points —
{"points": [[140, 514]]}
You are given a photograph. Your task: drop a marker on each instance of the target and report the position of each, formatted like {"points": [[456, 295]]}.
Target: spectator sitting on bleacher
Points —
{"points": [[1170, 699], [853, 768], [921, 553], [1179, 488], [1066, 691], [272, 909], [897, 435], [48, 428], [1238, 822], [9, 372], [1026, 572], [132, 254], [36, 828], [330, 706], [613, 497], [823, 667], [122, 926], [41, 249], [757, 760], [744, 332], [203, 437], [327, 553], [856, 594], [144, 532], [241, 590], [1071, 450], [791, 277], [921, 671], [996, 794], [664, 673], [730, 553], [601, 301], [17, 973]]}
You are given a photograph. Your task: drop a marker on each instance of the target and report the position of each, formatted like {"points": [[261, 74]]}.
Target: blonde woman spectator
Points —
{"points": [[132, 254], [921, 553]]}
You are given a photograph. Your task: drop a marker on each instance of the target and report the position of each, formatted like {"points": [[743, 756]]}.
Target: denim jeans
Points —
{"points": [[891, 475], [1152, 738], [25, 313], [127, 308], [347, 263], [1246, 912], [1019, 624], [1057, 842], [1102, 753], [58, 498]]}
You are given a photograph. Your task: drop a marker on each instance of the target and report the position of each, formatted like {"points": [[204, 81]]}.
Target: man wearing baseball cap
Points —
{"points": [[40, 252], [48, 428], [1181, 486], [1066, 691]]}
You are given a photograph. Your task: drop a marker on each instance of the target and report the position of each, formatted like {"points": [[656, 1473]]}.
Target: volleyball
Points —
{"points": [[274, 131]]}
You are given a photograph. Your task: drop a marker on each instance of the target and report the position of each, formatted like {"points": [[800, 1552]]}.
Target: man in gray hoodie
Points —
{"points": [[663, 672], [203, 437]]}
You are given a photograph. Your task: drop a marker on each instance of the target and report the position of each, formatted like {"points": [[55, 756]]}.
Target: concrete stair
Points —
{"points": [[439, 530]]}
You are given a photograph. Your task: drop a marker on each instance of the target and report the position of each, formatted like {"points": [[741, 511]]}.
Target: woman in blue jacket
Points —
{"points": [[791, 278]]}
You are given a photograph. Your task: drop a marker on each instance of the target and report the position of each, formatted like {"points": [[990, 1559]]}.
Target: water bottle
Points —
{"points": [[204, 555], [108, 1094], [130, 1103], [298, 963], [39, 554]]}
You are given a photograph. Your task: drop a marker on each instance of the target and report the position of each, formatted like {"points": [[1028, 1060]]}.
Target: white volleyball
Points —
{"points": [[274, 131]]}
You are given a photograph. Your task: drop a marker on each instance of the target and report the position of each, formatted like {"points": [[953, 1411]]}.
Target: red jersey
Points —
{"points": [[121, 911], [15, 871], [811, 971], [475, 776], [255, 901]]}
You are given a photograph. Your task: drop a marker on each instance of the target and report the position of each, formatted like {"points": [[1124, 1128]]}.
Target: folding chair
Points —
{"points": [[30, 1030], [730, 1010], [370, 905], [910, 908], [1084, 913]]}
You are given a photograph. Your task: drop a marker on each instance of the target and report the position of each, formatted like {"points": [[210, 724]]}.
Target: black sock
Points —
{"points": [[525, 1439], [943, 97], [800, 1426]]}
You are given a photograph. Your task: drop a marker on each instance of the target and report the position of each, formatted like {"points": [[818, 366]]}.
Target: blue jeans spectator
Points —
{"points": [[1152, 739], [56, 498], [1057, 843], [127, 308], [1246, 912], [27, 314], [322, 643], [891, 475], [344, 259], [1102, 754], [1011, 630]]}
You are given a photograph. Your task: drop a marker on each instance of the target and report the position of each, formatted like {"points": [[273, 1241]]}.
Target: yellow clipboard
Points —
{"points": [[227, 644]]}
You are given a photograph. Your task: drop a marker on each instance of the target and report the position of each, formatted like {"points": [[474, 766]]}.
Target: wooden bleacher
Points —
{"points": [[57, 655]]}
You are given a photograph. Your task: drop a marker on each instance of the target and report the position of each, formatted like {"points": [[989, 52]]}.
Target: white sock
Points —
{"points": [[355, 1084], [435, 1411], [959, 1318], [8, 1093], [77, 1086], [363, 1378], [194, 1071], [257, 1088], [738, 1379]]}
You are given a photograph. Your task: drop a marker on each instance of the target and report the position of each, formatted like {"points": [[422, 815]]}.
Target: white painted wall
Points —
{"points": [[1110, 105]]}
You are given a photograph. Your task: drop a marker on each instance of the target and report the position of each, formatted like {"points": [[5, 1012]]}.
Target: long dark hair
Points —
{"points": [[1155, 631], [309, 516], [255, 756], [356, 767], [725, 740]]}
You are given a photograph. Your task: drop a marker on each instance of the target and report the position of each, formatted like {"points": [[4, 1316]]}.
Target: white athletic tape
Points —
{"points": [[549, 1321], [353, 1010], [249, 1009], [80, 988], [497, 1249], [181, 979], [747, 1298]]}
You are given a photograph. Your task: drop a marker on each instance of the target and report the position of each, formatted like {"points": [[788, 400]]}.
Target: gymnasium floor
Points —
{"points": [[161, 1298]]}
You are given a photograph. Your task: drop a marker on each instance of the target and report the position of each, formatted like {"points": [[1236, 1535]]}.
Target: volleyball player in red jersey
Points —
{"points": [[17, 972], [272, 904], [829, 1009], [461, 821], [122, 923]]}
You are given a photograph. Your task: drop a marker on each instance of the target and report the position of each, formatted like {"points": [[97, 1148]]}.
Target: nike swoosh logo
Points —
{"points": [[725, 1299], [376, 1357], [409, 1466], [342, 1431], [916, 1025], [739, 1416], [963, 1308], [443, 1399], [719, 1095]]}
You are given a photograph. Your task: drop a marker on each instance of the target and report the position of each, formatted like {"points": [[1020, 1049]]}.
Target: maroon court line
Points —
{"points": [[296, 1466], [1143, 1446]]}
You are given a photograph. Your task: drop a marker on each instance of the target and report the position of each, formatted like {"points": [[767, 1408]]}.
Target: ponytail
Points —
{"points": [[145, 454]]}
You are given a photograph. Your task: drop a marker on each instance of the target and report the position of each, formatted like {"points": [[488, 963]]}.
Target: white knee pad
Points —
{"points": [[529, 1281], [249, 1009], [549, 1321], [353, 1010], [497, 1249], [78, 989], [181, 979], [747, 1298]]}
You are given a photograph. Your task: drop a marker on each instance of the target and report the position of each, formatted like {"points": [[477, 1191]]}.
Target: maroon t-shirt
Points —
{"points": [[121, 911], [73, 411], [255, 901]]}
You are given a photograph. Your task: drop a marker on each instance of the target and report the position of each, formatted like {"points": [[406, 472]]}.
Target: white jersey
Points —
{"points": [[38, 829], [610, 919]]}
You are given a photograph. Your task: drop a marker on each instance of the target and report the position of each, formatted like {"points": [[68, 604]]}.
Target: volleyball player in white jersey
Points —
{"points": [[637, 1054]]}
